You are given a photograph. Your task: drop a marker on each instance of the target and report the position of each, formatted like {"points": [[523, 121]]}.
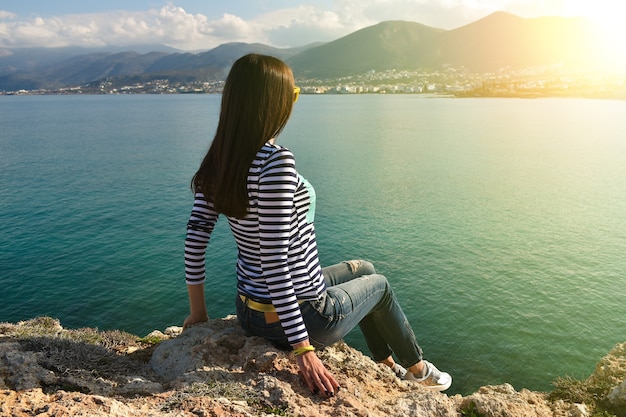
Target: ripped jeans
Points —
{"points": [[355, 295]]}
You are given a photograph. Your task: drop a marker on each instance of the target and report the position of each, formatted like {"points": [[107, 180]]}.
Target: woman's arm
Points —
{"points": [[197, 305], [201, 224], [278, 181], [277, 187], [315, 374]]}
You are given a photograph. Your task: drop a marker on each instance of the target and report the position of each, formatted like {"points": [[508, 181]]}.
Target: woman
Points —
{"points": [[283, 293]]}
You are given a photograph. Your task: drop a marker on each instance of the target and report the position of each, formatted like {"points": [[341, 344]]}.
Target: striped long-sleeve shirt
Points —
{"points": [[277, 250]]}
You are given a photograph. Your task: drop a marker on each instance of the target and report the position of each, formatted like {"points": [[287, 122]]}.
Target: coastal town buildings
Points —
{"points": [[448, 81]]}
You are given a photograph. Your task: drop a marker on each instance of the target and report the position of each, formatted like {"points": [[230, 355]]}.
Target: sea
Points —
{"points": [[500, 223]]}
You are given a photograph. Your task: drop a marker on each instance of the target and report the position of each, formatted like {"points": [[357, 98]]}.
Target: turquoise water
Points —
{"points": [[501, 223]]}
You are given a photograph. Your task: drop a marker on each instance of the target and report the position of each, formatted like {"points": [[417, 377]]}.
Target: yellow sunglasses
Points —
{"points": [[296, 93]]}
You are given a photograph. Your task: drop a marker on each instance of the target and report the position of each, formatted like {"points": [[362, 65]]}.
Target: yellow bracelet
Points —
{"points": [[301, 350]]}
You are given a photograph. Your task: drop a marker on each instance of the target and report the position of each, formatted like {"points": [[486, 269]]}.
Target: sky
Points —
{"points": [[195, 25]]}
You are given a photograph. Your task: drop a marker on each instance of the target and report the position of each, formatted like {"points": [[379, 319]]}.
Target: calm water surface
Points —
{"points": [[501, 223]]}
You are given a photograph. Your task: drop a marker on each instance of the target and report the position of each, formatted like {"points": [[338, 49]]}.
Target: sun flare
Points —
{"points": [[610, 30]]}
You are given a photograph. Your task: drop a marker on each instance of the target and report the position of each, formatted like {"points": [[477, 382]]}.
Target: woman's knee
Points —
{"points": [[360, 267]]}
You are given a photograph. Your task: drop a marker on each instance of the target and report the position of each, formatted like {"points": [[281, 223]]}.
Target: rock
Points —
{"points": [[22, 369], [139, 385], [578, 410], [612, 367], [36, 402], [503, 400], [173, 331], [156, 334], [617, 396], [207, 344], [424, 403], [213, 369]]}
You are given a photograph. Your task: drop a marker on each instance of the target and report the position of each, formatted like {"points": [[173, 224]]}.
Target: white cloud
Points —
{"points": [[169, 25], [302, 25], [6, 15], [298, 26], [174, 26]]}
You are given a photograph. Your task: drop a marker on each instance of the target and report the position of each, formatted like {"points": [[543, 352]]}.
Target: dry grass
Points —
{"points": [[77, 352], [591, 391]]}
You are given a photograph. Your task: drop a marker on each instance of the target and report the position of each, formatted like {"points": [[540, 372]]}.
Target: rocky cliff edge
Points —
{"points": [[213, 369]]}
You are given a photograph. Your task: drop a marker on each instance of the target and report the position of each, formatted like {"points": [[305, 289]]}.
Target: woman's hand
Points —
{"points": [[315, 374], [197, 306], [191, 320]]}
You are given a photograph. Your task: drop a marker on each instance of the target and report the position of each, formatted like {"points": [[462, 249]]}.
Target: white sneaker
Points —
{"points": [[399, 370], [433, 378]]}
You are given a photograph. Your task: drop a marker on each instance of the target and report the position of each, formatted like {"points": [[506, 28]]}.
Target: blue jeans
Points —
{"points": [[355, 295]]}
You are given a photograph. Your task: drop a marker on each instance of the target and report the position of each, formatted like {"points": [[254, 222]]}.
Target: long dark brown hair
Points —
{"points": [[256, 104]]}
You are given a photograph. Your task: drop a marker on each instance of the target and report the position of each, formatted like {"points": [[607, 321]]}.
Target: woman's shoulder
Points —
{"points": [[272, 159], [273, 151], [274, 147]]}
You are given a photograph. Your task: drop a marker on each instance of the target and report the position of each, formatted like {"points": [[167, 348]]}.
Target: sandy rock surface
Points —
{"points": [[213, 369]]}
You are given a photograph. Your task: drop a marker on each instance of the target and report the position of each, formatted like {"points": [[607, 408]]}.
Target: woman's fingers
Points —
{"points": [[332, 386], [316, 376], [319, 384]]}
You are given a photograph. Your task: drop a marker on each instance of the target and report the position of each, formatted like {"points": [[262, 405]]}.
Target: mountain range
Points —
{"points": [[496, 41]]}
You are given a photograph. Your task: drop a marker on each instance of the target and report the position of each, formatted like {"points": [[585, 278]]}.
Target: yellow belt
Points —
{"points": [[255, 305], [262, 307]]}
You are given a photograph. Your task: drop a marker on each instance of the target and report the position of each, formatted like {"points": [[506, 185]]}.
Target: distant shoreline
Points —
{"points": [[466, 94]]}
